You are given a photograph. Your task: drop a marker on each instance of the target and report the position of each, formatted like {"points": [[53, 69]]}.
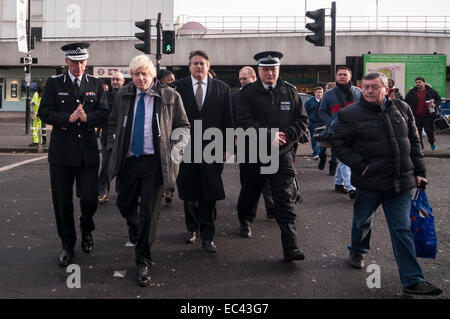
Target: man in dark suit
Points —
{"points": [[208, 105], [74, 104]]}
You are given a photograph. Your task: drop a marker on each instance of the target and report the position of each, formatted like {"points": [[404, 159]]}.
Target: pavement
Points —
{"points": [[14, 140]]}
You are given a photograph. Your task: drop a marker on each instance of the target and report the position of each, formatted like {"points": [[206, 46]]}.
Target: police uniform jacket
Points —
{"points": [[280, 108], [73, 144]]}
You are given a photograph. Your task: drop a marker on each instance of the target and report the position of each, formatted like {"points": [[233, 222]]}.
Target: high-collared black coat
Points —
{"points": [[203, 181], [73, 144], [386, 142]]}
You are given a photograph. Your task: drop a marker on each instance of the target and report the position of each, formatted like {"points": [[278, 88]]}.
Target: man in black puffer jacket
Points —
{"points": [[378, 139]]}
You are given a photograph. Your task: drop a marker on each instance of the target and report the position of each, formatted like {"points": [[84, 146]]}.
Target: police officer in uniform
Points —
{"points": [[272, 103], [74, 104]]}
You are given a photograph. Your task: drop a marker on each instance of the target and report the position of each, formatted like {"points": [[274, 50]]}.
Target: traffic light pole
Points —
{"points": [[158, 42], [28, 74], [333, 41]]}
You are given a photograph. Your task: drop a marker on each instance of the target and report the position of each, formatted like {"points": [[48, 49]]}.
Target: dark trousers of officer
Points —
{"points": [[141, 183], [201, 216], [282, 191], [62, 178], [103, 178]]}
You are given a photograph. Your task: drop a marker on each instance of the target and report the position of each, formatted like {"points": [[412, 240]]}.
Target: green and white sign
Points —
{"points": [[404, 68]]}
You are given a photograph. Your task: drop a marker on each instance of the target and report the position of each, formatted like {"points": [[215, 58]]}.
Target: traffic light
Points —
{"points": [[144, 36], [168, 42], [318, 27]]}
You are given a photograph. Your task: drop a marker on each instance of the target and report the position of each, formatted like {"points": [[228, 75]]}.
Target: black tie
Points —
{"points": [[270, 87], [77, 86]]}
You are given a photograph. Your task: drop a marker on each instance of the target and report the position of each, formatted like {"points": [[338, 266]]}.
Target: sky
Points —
{"points": [[297, 7]]}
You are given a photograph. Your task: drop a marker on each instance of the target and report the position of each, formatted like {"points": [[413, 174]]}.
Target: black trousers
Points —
{"points": [[103, 178], [426, 123], [282, 191], [200, 216], [62, 179], [141, 184]]}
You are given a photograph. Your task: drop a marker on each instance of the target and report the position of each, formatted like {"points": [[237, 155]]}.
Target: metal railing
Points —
{"points": [[240, 25], [245, 24]]}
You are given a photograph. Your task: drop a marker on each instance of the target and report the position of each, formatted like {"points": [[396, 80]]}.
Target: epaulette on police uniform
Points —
{"points": [[56, 76], [290, 84]]}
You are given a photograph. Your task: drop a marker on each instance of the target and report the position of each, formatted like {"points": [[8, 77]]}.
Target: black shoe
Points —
{"points": [[245, 231], [356, 261], [322, 162], [132, 234], [209, 246], [293, 254], [191, 237], [423, 288], [143, 275], [340, 189], [103, 198], [332, 168], [33, 144], [87, 242], [352, 194], [65, 257]]}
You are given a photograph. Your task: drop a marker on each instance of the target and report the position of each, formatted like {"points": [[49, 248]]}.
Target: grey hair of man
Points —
{"points": [[377, 75], [142, 61], [249, 70]]}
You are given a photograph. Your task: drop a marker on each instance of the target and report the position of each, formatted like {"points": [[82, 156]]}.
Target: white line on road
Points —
{"points": [[5, 168]]}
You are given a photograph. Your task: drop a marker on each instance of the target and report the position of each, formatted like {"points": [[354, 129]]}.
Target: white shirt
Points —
{"points": [[266, 86], [204, 86], [72, 77], [148, 133]]}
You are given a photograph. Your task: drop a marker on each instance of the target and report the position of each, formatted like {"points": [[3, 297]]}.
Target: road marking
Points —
{"points": [[8, 167], [16, 154]]}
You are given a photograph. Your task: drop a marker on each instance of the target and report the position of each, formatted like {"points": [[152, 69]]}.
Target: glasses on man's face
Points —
{"points": [[243, 79], [116, 79], [373, 87]]}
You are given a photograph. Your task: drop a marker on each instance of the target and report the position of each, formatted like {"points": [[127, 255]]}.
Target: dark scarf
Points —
{"points": [[373, 106], [346, 89]]}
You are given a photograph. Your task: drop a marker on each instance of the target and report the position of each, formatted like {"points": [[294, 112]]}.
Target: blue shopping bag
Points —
{"points": [[422, 226]]}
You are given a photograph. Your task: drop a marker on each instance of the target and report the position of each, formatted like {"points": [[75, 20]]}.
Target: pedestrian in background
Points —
{"points": [[74, 104], [322, 148], [334, 100], [144, 115], [424, 100], [166, 76], [311, 107], [38, 127], [117, 82], [387, 163], [394, 93]]}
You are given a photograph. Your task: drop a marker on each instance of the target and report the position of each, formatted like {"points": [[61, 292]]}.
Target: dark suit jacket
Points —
{"points": [[73, 144], [203, 181]]}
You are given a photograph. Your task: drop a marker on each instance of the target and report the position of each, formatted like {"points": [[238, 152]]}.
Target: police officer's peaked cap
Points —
{"points": [[76, 51], [268, 58]]}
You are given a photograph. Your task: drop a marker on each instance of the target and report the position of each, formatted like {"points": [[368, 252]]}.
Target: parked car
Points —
{"points": [[305, 97]]}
